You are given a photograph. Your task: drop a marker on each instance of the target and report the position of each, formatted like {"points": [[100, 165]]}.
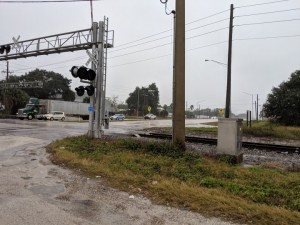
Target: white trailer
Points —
{"points": [[69, 108]]}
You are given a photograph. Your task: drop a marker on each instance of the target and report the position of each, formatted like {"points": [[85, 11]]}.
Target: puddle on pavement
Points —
{"points": [[48, 190]]}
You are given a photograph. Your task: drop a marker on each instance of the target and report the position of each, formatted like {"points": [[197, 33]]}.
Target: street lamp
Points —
{"points": [[228, 90], [210, 60]]}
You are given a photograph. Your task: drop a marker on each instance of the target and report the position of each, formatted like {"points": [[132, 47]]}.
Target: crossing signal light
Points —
{"points": [[80, 90], [5, 48], [83, 73], [90, 90]]}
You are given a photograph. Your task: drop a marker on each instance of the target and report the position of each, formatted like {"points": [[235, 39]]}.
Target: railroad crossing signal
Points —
{"points": [[16, 42], [5, 48], [84, 74], [92, 57]]}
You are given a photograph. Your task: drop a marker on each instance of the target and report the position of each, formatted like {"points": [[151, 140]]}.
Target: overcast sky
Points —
{"points": [[258, 64]]}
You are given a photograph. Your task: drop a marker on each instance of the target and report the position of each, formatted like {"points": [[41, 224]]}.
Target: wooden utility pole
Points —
{"points": [[228, 91], [179, 76]]}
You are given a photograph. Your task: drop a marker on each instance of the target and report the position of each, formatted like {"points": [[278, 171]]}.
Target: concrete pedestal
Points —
{"points": [[230, 138]]}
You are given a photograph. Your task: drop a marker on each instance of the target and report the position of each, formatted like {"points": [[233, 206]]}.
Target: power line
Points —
{"points": [[208, 24], [259, 4], [48, 1], [158, 46], [210, 32], [141, 43], [144, 60], [267, 22], [195, 28], [270, 37], [263, 13], [142, 50], [203, 18]]}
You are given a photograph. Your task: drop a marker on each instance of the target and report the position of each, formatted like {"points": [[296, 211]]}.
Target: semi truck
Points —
{"points": [[36, 108]]}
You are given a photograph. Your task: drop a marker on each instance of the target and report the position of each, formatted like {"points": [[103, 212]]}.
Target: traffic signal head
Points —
{"points": [[80, 90], [86, 74], [90, 90], [73, 71], [5, 48], [83, 73]]}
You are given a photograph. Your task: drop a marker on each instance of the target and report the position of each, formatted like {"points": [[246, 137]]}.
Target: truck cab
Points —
{"points": [[30, 111]]}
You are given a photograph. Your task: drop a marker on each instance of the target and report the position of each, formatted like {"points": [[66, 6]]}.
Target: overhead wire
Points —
{"points": [[199, 34], [47, 1], [270, 12], [203, 18], [153, 47], [270, 37], [259, 4], [195, 28], [267, 22]]}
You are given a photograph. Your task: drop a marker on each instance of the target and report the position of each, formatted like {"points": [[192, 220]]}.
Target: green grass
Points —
{"points": [[202, 184]]}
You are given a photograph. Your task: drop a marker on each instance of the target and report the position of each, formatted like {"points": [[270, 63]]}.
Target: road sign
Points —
{"points": [[32, 84], [221, 111], [149, 108], [91, 109]]}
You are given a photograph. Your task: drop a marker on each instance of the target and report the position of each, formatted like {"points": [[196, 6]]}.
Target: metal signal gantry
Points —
{"points": [[58, 43]]}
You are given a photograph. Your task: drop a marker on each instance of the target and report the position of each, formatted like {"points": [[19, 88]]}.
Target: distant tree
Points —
{"points": [[164, 113], [189, 114], [283, 104], [86, 100], [54, 84], [122, 106], [171, 108], [114, 103], [13, 99], [143, 97]]}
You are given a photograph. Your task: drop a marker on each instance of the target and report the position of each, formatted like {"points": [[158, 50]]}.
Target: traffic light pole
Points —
{"points": [[92, 98], [99, 92]]}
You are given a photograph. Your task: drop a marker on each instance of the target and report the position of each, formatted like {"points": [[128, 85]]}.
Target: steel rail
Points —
{"points": [[245, 144]]}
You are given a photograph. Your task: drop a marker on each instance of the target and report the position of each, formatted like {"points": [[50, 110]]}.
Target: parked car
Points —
{"points": [[150, 116], [55, 115], [117, 117]]}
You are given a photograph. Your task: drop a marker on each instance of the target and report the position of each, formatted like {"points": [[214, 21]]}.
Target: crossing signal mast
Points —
{"points": [[99, 39]]}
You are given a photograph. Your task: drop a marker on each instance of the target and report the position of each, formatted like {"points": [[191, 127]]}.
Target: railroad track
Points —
{"points": [[245, 144]]}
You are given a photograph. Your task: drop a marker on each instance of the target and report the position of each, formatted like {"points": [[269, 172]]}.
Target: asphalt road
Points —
{"points": [[33, 191]]}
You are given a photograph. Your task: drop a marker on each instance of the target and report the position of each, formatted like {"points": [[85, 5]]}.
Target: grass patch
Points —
{"points": [[258, 129], [206, 185]]}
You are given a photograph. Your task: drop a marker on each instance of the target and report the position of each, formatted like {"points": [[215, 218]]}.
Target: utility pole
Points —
{"points": [[7, 71], [228, 91], [179, 77], [138, 100], [257, 107]]}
